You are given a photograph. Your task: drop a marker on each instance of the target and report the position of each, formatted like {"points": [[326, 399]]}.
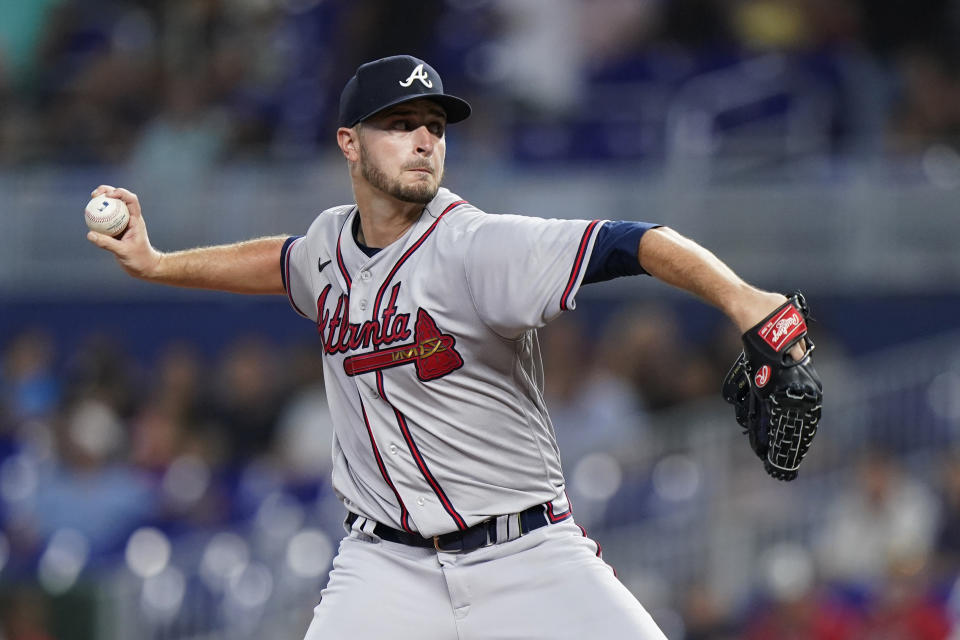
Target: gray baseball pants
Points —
{"points": [[546, 585]]}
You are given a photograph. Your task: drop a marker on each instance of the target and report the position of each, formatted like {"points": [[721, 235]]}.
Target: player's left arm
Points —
{"points": [[679, 261], [774, 388]]}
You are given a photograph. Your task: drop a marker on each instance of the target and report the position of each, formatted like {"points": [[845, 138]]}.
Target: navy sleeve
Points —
{"points": [[283, 260], [615, 251]]}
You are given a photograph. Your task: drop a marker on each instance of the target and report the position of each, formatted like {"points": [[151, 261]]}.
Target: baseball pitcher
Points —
{"points": [[458, 527]]}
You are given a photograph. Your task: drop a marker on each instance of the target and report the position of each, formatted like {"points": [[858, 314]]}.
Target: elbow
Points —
{"points": [[653, 245]]}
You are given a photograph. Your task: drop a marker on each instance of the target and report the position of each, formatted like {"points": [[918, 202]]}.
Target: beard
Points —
{"points": [[418, 193]]}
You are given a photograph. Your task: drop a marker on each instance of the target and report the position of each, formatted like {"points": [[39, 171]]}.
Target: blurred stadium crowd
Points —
{"points": [[106, 81], [202, 476], [219, 465], [170, 441]]}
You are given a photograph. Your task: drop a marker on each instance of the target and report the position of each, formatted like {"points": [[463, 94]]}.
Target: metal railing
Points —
{"points": [[864, 233]]}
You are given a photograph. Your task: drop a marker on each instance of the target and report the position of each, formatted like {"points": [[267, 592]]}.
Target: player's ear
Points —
{"points": [[348, 140]]}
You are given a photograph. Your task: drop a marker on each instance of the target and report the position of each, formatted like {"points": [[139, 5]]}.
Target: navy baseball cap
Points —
{"points": [[388, 81]]}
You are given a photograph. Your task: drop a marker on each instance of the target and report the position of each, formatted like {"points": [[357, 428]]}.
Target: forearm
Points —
{"points": [[245, 267], [252, 267], [678, 261]]}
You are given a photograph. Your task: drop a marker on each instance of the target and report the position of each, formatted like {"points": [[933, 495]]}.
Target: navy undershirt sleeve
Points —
{"points": [[615, 251], [283, 260]]}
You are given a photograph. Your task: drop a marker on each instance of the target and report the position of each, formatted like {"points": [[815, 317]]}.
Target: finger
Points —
{"points": [[129, 198], [101, 190], [103, 241], [798, 351]]}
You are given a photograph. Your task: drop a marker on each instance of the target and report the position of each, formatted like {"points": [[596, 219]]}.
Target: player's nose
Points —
{"points": [[424, 140]]}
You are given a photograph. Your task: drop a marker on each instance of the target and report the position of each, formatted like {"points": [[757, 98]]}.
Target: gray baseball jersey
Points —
{"points": [[432, 366]]}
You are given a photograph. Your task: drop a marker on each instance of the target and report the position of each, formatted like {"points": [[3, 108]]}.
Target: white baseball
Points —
{"points": [[107, 215]]}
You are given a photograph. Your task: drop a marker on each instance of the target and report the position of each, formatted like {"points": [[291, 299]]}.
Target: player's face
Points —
{"points": [[402, 150]]}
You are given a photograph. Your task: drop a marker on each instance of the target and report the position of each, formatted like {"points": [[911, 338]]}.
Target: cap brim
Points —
{"points": [[456, 108]]}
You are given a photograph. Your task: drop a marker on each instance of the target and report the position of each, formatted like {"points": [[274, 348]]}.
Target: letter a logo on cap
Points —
{"points": [[418, 74]]}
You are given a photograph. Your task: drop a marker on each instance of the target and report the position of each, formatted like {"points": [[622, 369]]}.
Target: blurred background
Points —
{"points": [[164, 455]]}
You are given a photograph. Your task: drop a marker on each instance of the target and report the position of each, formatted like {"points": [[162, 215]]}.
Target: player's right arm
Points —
{"points": [[244, 267]]}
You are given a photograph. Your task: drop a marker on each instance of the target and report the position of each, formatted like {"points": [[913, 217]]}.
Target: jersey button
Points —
{"points": [[420, 501], [363, 305], [393, 449], [364, 275]]}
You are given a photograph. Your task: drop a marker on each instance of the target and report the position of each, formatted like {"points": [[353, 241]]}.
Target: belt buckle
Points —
{"points": [[436, 545], [461, 545]]}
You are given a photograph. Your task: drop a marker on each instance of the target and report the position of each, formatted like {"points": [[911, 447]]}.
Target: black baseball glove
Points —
{"points": [[777, 399]]}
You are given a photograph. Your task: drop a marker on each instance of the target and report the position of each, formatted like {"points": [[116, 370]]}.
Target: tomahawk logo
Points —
{"points": [[432, 353], [418, 74]]}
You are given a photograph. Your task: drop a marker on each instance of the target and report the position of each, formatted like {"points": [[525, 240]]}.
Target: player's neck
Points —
{"points": [[384, 219]]}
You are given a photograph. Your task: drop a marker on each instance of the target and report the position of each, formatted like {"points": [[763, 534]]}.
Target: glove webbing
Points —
{"points": [[791, 433]]}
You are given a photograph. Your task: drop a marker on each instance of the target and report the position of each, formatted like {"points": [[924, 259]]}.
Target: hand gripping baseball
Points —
{"points": [[777, 399], [132, 249]]}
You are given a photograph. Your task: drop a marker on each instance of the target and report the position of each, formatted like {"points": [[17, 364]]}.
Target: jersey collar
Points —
{"points": [[354, 258]]}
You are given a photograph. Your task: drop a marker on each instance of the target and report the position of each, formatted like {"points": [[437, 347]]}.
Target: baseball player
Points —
{"points": [[457, 522]]}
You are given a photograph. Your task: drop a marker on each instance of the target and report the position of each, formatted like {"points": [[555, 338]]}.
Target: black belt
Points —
{"points": [[479, 535]]}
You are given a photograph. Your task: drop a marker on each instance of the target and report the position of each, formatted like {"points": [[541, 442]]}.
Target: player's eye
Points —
{"points": [[407, 124]]}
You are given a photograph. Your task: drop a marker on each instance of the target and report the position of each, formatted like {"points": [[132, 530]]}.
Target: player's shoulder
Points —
{"points": [[329, 222], [450, 207], [334, 216], [456, 214], [465, 218]]}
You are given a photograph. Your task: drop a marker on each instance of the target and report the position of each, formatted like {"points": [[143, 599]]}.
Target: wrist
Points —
{"points": [[154, 268], [752, 305]]}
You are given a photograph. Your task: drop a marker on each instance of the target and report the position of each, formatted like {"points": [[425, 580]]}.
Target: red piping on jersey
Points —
{"points": [[340, 264], [383, 471], [403, 258], [577, 264], [599, 548], [286, 271], [401, 420], [418, 458], [555, 518]]}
